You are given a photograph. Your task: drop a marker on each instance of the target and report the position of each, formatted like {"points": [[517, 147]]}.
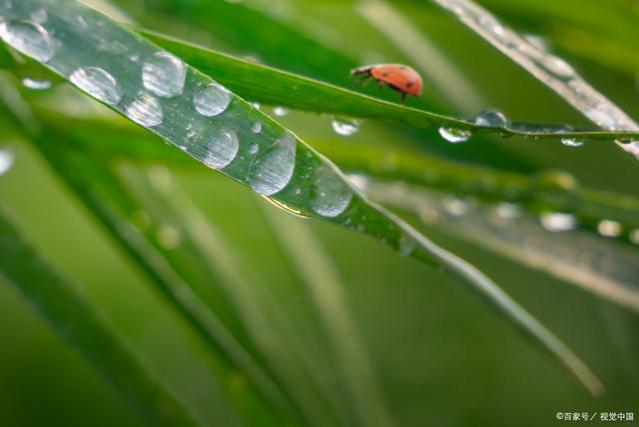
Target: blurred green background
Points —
{"points": [[441, 356]]}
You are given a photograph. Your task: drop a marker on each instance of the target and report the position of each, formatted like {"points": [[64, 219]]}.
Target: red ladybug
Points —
{"points": [[401, 78]]}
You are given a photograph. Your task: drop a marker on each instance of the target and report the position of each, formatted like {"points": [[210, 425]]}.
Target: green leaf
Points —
{"points": [[192, 112], [271, 86], [86, 328], [551, 70]]}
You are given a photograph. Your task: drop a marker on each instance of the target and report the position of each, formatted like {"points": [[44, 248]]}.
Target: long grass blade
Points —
{"points": [[85, 328], [551, 70], [193, 112]]}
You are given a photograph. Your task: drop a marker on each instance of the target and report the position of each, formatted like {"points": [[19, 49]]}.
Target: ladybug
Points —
{"points": [[401, 78]]}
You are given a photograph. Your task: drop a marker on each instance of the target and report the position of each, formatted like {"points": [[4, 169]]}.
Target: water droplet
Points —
{"points": [[281, 111], [540, 42], [29, 38], [330, 196], [345, 127], [572, 142], [39, 16], [222, 149], [274, 169], [164, 75], [455, 135], [212, 100], [558, 221], [168, 237], [254, 148], [609, 228], [634, 236], [507, 210], [36, 84], [257, 127], [6, 160], [407, 245], [256, 105], [492, 118], [456, 207], [558, 67], [145, 110], [97, 83]]}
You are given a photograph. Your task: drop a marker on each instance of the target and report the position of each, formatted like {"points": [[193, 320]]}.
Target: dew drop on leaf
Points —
{"points": [[330, 195], [36, 84], [609, 228], [29, 38], [492, 118], [212, 100], [281, 111], [164, 75], [558, 221], [256, 127], [145, 110], [274, 169], [345, 127], [222, 149], [97, 83], [455, 135], [572, 142]]}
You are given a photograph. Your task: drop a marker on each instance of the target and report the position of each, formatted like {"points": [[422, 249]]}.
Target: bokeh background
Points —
{"points": [[441, 355]]}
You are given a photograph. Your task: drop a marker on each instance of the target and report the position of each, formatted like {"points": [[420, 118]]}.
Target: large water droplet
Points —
{"points": [[492, 118], [274, 169], [330, 196], [36, 84], [222, 149], [345, 127], [609, 228], [145, 110], [558, 221], [572, 142], [164, 75], [455, 135], [212, 100], [281, 111], [97, 83], [29, 38], [6, 160]]}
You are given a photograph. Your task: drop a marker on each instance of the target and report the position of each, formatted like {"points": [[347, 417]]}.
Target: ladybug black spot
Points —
{"points": [[410, 83], [386, 74], [402, 67]]}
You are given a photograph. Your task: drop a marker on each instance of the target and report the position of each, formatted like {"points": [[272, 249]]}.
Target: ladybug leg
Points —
{"points": [[381, 85], [404, 98], [365, 78]]}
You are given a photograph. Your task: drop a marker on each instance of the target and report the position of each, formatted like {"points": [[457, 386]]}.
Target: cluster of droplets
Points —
{"points": [[163, 77], [533, 55], [489, 118]]}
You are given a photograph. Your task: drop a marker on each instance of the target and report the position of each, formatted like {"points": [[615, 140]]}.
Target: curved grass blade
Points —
{"points": [[326, 292], [600, 266], [551, 70], [550, 190], [85, 328], [278, 87], [191, 111]]}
